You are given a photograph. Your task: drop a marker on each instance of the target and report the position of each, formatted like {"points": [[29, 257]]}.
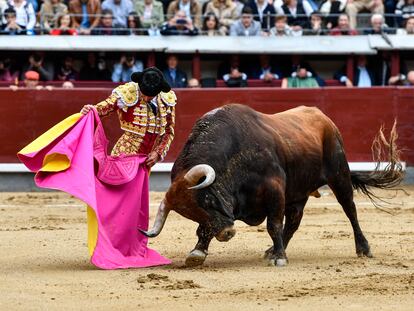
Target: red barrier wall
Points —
{"points": [[358, 113]]}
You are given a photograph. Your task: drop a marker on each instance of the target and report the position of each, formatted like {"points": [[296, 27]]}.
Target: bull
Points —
{"points": [[240, 164]]}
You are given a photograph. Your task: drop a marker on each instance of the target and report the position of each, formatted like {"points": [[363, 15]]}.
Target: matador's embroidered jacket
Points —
{"points": [[143, 126]]}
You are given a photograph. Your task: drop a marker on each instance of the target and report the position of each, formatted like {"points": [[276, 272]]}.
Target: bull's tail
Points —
{"points": [[390, 176]]}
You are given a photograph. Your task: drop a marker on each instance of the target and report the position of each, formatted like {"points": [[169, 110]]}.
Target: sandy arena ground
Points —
{"points": [[44, 262]]}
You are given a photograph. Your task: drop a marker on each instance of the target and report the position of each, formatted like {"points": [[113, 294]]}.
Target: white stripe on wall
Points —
{"points": [[166, 167]]}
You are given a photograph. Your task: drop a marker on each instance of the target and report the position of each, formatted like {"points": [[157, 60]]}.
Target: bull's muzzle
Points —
{"points": [[226, 234]]}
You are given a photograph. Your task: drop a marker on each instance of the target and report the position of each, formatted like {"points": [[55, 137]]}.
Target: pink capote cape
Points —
{"points": [[117, 193]]}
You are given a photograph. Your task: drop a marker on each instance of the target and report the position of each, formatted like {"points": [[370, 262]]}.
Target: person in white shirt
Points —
{"points": [[25, 14]]}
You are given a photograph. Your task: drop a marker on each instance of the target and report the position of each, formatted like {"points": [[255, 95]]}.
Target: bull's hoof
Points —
{"points": [[280, 262], [366, 253], [195, 258]]}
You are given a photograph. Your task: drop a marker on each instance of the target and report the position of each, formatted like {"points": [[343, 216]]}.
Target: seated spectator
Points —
{"points": [[409, 27], [151, 13], [11, 27], [25, 15], [6, 72], [211, 26], [331, 9], [316, 25], [353, 7], [266, 72], [233, 75], [363, 74], [120, 10], [302, 78], [404, 80], [104, 27], [404, 9], [281, 28], [64, 27], [66, 72], [175, 77], [194, 84], [263, 12], [192, 9], [126, 66], [134, 26], [179, 25], [67, 85], [246, 25], [297, 12], [226, 12], [343, 28], [37, 63], [95, 69], [85, 15], [378, 26], [49, 13], [31, 81]]}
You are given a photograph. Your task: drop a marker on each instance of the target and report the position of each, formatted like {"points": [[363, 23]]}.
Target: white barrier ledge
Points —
{"points": [[166, 167]]}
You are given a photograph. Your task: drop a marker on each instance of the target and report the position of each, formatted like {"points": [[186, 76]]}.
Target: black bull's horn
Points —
{"points": [[197, 172], [159, 221], [192, 177]]}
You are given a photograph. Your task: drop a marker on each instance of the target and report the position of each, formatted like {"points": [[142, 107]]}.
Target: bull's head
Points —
{"points": [[182, 198]]}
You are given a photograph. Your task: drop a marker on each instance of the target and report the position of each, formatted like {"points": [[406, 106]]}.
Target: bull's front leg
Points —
{"points": [[198, 255], [276, 210]]}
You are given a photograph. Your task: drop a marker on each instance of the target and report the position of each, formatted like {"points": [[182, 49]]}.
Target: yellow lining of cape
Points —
{"points": [[50, 135], [92, 230]]}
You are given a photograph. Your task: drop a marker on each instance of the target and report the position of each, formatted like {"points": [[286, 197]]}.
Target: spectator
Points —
{"points": [[401, 79], [409, 27], [49, 13], [31, 81], [151, 13], [233, 76], [193, 83], [343, 28], [37, 63], [126, 66], [266, 72], [331, 9], [85, 14], [5, 71], [353, 7], [378, 26], [192, 9], [95, 69], [67, 85], [301, 78], [363, 74], [211, 26], [404, 9], [246, 25], [66, 71], [281, 28], [104, 27], [389, 9], [180, 24], [297, 12], [134, 26], [11, 27], [120, 10], [25, 15], [263, 12], [316, 25], [64, 27], [175, 77], [226, 12]]}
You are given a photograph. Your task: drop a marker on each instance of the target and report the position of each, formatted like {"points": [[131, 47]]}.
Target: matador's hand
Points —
{"points": [[86, 109], [153, 158]]}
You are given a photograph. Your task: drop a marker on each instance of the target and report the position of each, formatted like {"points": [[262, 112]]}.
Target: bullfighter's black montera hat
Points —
{"points": [[151, 81]]}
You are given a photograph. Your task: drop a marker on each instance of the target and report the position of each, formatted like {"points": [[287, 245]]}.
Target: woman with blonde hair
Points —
{"points": [[49, 13], [226, 12]]}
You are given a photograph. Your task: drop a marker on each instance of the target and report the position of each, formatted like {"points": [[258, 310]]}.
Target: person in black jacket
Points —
{"points": [[364, 75], [175, 77], [180, 24], [298, 12], [263, 12]]}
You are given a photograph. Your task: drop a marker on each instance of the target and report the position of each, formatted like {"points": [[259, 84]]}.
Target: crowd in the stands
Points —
{"points": [[234, 71], [211, 17]]}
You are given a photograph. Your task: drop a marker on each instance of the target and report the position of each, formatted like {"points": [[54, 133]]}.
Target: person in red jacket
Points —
{"points": [[343, 28]]}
